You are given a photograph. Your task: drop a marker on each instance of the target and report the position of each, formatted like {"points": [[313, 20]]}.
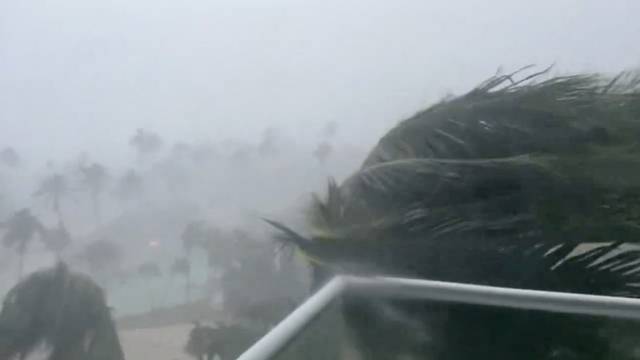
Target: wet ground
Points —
{"points": [[165, 343]]}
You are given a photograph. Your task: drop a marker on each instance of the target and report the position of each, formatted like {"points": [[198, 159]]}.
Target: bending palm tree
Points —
{"points": [[63, 310], [53, 188], [21, 228], [518, 183], [95, 178]]}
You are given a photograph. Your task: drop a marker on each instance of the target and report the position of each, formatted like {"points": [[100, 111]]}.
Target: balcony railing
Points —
{"points": [[319, 320]]}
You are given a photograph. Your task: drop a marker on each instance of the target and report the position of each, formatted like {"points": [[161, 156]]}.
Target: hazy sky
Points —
{"points": [[82, 74]]}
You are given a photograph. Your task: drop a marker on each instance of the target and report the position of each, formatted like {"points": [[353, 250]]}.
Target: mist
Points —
{"points": [[126, 127], [78, 76]]}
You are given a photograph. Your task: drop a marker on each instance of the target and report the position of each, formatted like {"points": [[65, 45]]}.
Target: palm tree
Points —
{"points": [[130, 186], [182, 266], [519, 183], [21, 229], [53, 188], [146, 142], [95, 179], [194, 234], [62, 310]]}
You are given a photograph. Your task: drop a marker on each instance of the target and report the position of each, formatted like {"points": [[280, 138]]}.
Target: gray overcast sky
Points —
{"points": [[82, 74]]}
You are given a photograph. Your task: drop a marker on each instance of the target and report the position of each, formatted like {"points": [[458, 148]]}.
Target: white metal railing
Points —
{"points": [[400, 288]]}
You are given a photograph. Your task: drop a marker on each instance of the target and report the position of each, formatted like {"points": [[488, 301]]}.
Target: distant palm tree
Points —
{"points": [[21, 229], [95, 177], [146, 142], [53, 188], [194, 234], [129, 186]]}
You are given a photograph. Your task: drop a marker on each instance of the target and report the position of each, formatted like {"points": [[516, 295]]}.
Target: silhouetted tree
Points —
{"points": [[130, 186], [20, 230], [146, 142], [64, 311], [95, 179], [224, 247], [53, 188], [194, 234]]}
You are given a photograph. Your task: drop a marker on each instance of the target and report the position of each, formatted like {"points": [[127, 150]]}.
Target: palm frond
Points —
{"points": [[500, 118], [530, 183]]}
